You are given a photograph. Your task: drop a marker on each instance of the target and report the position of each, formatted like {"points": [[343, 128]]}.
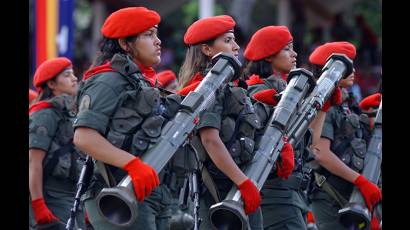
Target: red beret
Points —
{"points": [[267, 41], [323, 52], [371, 101], [129, 21], [31, 95], [208, 28], [166, 77], [49, 69]]}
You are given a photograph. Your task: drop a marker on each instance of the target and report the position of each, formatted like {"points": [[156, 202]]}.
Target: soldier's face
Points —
{"points": [[65, 82], [285, 60], [349, 81], [146, 49], [225, 43]]}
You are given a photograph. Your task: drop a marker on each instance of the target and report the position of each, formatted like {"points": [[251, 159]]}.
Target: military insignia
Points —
{"points": [[85, 103], [41, 130]]}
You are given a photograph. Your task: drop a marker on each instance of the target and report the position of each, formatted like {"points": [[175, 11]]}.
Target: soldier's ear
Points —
{"points": [[205, 49], [51, 84], [123, 44]]}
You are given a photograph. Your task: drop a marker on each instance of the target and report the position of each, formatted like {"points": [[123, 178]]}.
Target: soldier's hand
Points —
{"points": [[335, 99], [250, 196], [285, 167], [266, 96], [42, 214], [371, 193], [371, 101], [144, 178]]}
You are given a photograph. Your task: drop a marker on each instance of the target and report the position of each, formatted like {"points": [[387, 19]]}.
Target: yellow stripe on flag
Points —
{"points": [[52, 24]]}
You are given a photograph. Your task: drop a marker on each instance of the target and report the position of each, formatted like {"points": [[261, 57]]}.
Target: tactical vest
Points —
{"points": [[63, 160], [238, 125], [351, 138], [140, 113], [351, 135]]}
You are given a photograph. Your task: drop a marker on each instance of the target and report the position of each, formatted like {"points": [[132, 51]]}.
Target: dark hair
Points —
{"points": [[45, 94], [261, 68], [316, 70], [109, 47]]}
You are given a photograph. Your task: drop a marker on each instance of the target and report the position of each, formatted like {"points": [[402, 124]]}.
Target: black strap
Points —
{"points": [[235, 131], [52, 163]]}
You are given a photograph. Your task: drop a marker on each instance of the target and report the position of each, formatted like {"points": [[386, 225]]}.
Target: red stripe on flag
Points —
{"points": [[41, 45]]}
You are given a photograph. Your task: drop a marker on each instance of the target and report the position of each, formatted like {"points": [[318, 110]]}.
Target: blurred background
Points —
{"points": [[71, 28]]}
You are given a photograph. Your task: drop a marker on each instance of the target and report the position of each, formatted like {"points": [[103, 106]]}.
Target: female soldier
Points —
{"points": [[53, 165], [121, 115], [218, 137], [271, 57], [339, 150]]}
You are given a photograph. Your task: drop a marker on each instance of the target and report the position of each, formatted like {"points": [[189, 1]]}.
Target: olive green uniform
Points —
{"points": [[233, 115], [50, 129], [349, 134], [284, 202], [130, 114]]}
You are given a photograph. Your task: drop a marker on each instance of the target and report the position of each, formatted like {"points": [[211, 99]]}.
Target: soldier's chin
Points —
{"points": [[157, 60]]}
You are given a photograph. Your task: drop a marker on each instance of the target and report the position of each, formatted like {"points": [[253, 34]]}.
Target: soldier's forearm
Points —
{"points": [[333, 164], [317, 126], [35, 172], [95, 145], [221, 157], [36, 180]]}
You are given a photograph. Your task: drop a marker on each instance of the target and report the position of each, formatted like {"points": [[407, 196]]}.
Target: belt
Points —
{"points": [[295, 181]]}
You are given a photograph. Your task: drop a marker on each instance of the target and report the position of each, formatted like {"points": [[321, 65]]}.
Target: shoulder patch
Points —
{"points": [[41, 130], [85, 103]]}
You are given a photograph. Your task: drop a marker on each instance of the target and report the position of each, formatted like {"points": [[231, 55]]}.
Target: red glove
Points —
{"points": [[371, 101], [309, 217], [335, 99], [87, 220], [371, 193], [285, 168], [144, 178], [42, 214], [266, 96], [374, 224], [250, 196]]}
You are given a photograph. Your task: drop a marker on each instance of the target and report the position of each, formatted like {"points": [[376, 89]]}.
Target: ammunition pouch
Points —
{"points": [[64, 163]]}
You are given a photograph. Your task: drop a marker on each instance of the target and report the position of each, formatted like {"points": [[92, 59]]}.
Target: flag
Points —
{"points": [[54, 29]]}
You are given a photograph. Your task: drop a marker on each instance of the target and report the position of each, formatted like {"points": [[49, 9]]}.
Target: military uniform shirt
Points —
{"points": [[99, 101], [42, 129]]}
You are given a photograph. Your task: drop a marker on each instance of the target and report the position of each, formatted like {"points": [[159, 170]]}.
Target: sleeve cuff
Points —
{"points": [[92, 120], [39, 142], [209, 120]]}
